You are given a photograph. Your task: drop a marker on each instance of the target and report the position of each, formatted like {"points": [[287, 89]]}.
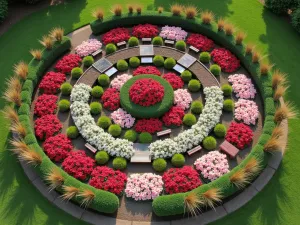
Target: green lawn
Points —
{"points": [[278, 203]]}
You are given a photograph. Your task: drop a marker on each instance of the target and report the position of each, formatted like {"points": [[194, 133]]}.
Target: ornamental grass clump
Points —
{"points": [[87, 197], [19, 129], [47, 42], [36, 53], [176, 9], [279, 92], [138, 9], [239, 38], [278, 131], [14, 83], [252, 167], [212, 197], [265, 68], [256, 57], [54, 178], [240, 179], [31, 157], [69, 192], [117, 10], [21, 69], [57, 33], [249, 48], [274, 144], [130, 8], [160, 10], [207, 17], [229, 29], [19, 146], [285, 111], [191, 12], [98, 14], [221, 24], [10, 113], [278, 78], [13, 96], [192, 203]]}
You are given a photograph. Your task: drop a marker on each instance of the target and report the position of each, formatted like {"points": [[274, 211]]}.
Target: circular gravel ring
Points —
{"points": [[153, 111]]}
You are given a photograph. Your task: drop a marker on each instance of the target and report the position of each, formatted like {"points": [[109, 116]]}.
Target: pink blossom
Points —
{"points": [[173, 33], [182, 98], [88, 47], [246, 111], [242, 86], [118, 82], [121, 117]]}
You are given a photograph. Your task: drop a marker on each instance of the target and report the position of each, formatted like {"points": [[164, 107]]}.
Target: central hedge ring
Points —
{"points": [[153, 111]]}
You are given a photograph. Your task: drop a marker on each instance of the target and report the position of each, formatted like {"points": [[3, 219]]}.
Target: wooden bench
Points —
{"points": [[194, 49], [229, 149], [91, 148], [164, 132], [169, 42], [96, 52], [146, 39], [193, 150], [121, 43]]}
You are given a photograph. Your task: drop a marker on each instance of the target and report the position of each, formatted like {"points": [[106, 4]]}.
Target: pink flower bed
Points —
{"points": [[47, 126], [173, 33], [239, 134], [119, 81], [143, 187], [88, 47], [145, 31], [175, 81], [45, 104], [121, 117], [182, 98], [225, 59], [173, 117], [111, 99], [67, 63], [51, 82], [212, 165], [246, 111], [242, 86], [200, 42], [146, 70], [151, 125], [116, 35]]}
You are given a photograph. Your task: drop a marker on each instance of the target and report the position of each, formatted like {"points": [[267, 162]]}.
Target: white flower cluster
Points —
{"points": [[81, 93]]}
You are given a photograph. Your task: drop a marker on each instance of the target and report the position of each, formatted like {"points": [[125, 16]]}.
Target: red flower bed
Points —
{"points": [[174, 116], [51, 82], [67, 63], [179, 180], [175, 81], [58, 147], [146, 92], [107, 179], [225, 59], [116, 35], [239, 134], [45, 104], [151, 125], [145, 31], [146, 70], [200, 42], [111, 99], [78, 165], [47, 126]]}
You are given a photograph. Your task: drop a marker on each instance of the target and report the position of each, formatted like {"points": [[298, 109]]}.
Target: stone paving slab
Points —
{"points": [[98, 219], [31, 174], [263, 179], [69, 207], [151, 223], [44, 189]]}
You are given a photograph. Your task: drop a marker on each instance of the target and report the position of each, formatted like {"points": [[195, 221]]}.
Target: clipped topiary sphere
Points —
{"points": [[227, 90], [196, 107], [133, 41], [130, 135], [178, 160], [134, 62], [186, 76], [110, 48], [104, 122], [228, 105], [66, 88], [103, 80], [220, 130], [158, 60], [115, 130], [97, 91], [189, 119], [194, 85], [145, 137], [119, 163], [88, 61], [101, 157], [72, 132], [169, 63], [64, 105], [157, 41], [180, 45], [159, 165], [209, 143], [122, 65], [95, 108], [215, 69], [76, 72], [204, 57]]}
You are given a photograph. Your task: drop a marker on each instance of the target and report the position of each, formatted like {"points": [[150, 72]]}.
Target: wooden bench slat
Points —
{"points": [[96, 52], [146, 39], [170, 42], [229, 149], [121, 43], [90, 147], [194, 49], [194, 150], [164, 132]]}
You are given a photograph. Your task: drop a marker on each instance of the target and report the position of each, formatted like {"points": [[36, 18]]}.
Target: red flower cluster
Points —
{"points": [[151, 125], [51, 82], [47, 126], [78, 165], [239, 134], [175, 81], [179, 180], [225, 59], [111, 99], [107, 179], [173, 117], [58, 147], [146, 92], [200, 42], [45, 104], [116, 35], [146, 70], [145, 31], [67, 63]]}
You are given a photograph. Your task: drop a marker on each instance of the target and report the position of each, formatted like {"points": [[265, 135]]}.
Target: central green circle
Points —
{"points": [[153, 111]]}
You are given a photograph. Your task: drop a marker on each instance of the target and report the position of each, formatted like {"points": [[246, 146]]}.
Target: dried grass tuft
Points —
{"points": [[117, 10], [31, 157], [13, 96], [87, 197], [207, 17], [221, 24], [229, 29], [21, 69], [252, 167], [240, 179], [98, 14], [69, 192], [130, 8], [256, 57], [47, 42], [278, 132], [249, 48], [54, 178], [19, 129], [212, 197], [279, 92], [274, 144], [191, 12], [192, 203], [14, 83], [239, 38], [19, 146], [37, 54], [160, 9], [10, 114], [285, 111], [176, 9], [278, 78], [265, 68], [139, 9], [57, 33]]}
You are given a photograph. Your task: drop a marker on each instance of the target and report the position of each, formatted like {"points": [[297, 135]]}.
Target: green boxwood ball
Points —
{"points": [[104, 122], [115, 130], [122, 65], [204, 57], [119, 163], [133, 41], [145, 137], [64, 105], [88, 61], [189, 119], [169, 63], [197, 107], [194, 85], [76, 72], [130, 135], [101, 157], [215, 69], [159, 165], [220, 130], [209, 143], [158, 60], [178, 160], [180, 45], [157, 41], [66, 88], [97, 91], [95, 108], [228, 105], [186, 76], [72, 132], [227, 90], [103, 80], [134, 62], [110, 48]]}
